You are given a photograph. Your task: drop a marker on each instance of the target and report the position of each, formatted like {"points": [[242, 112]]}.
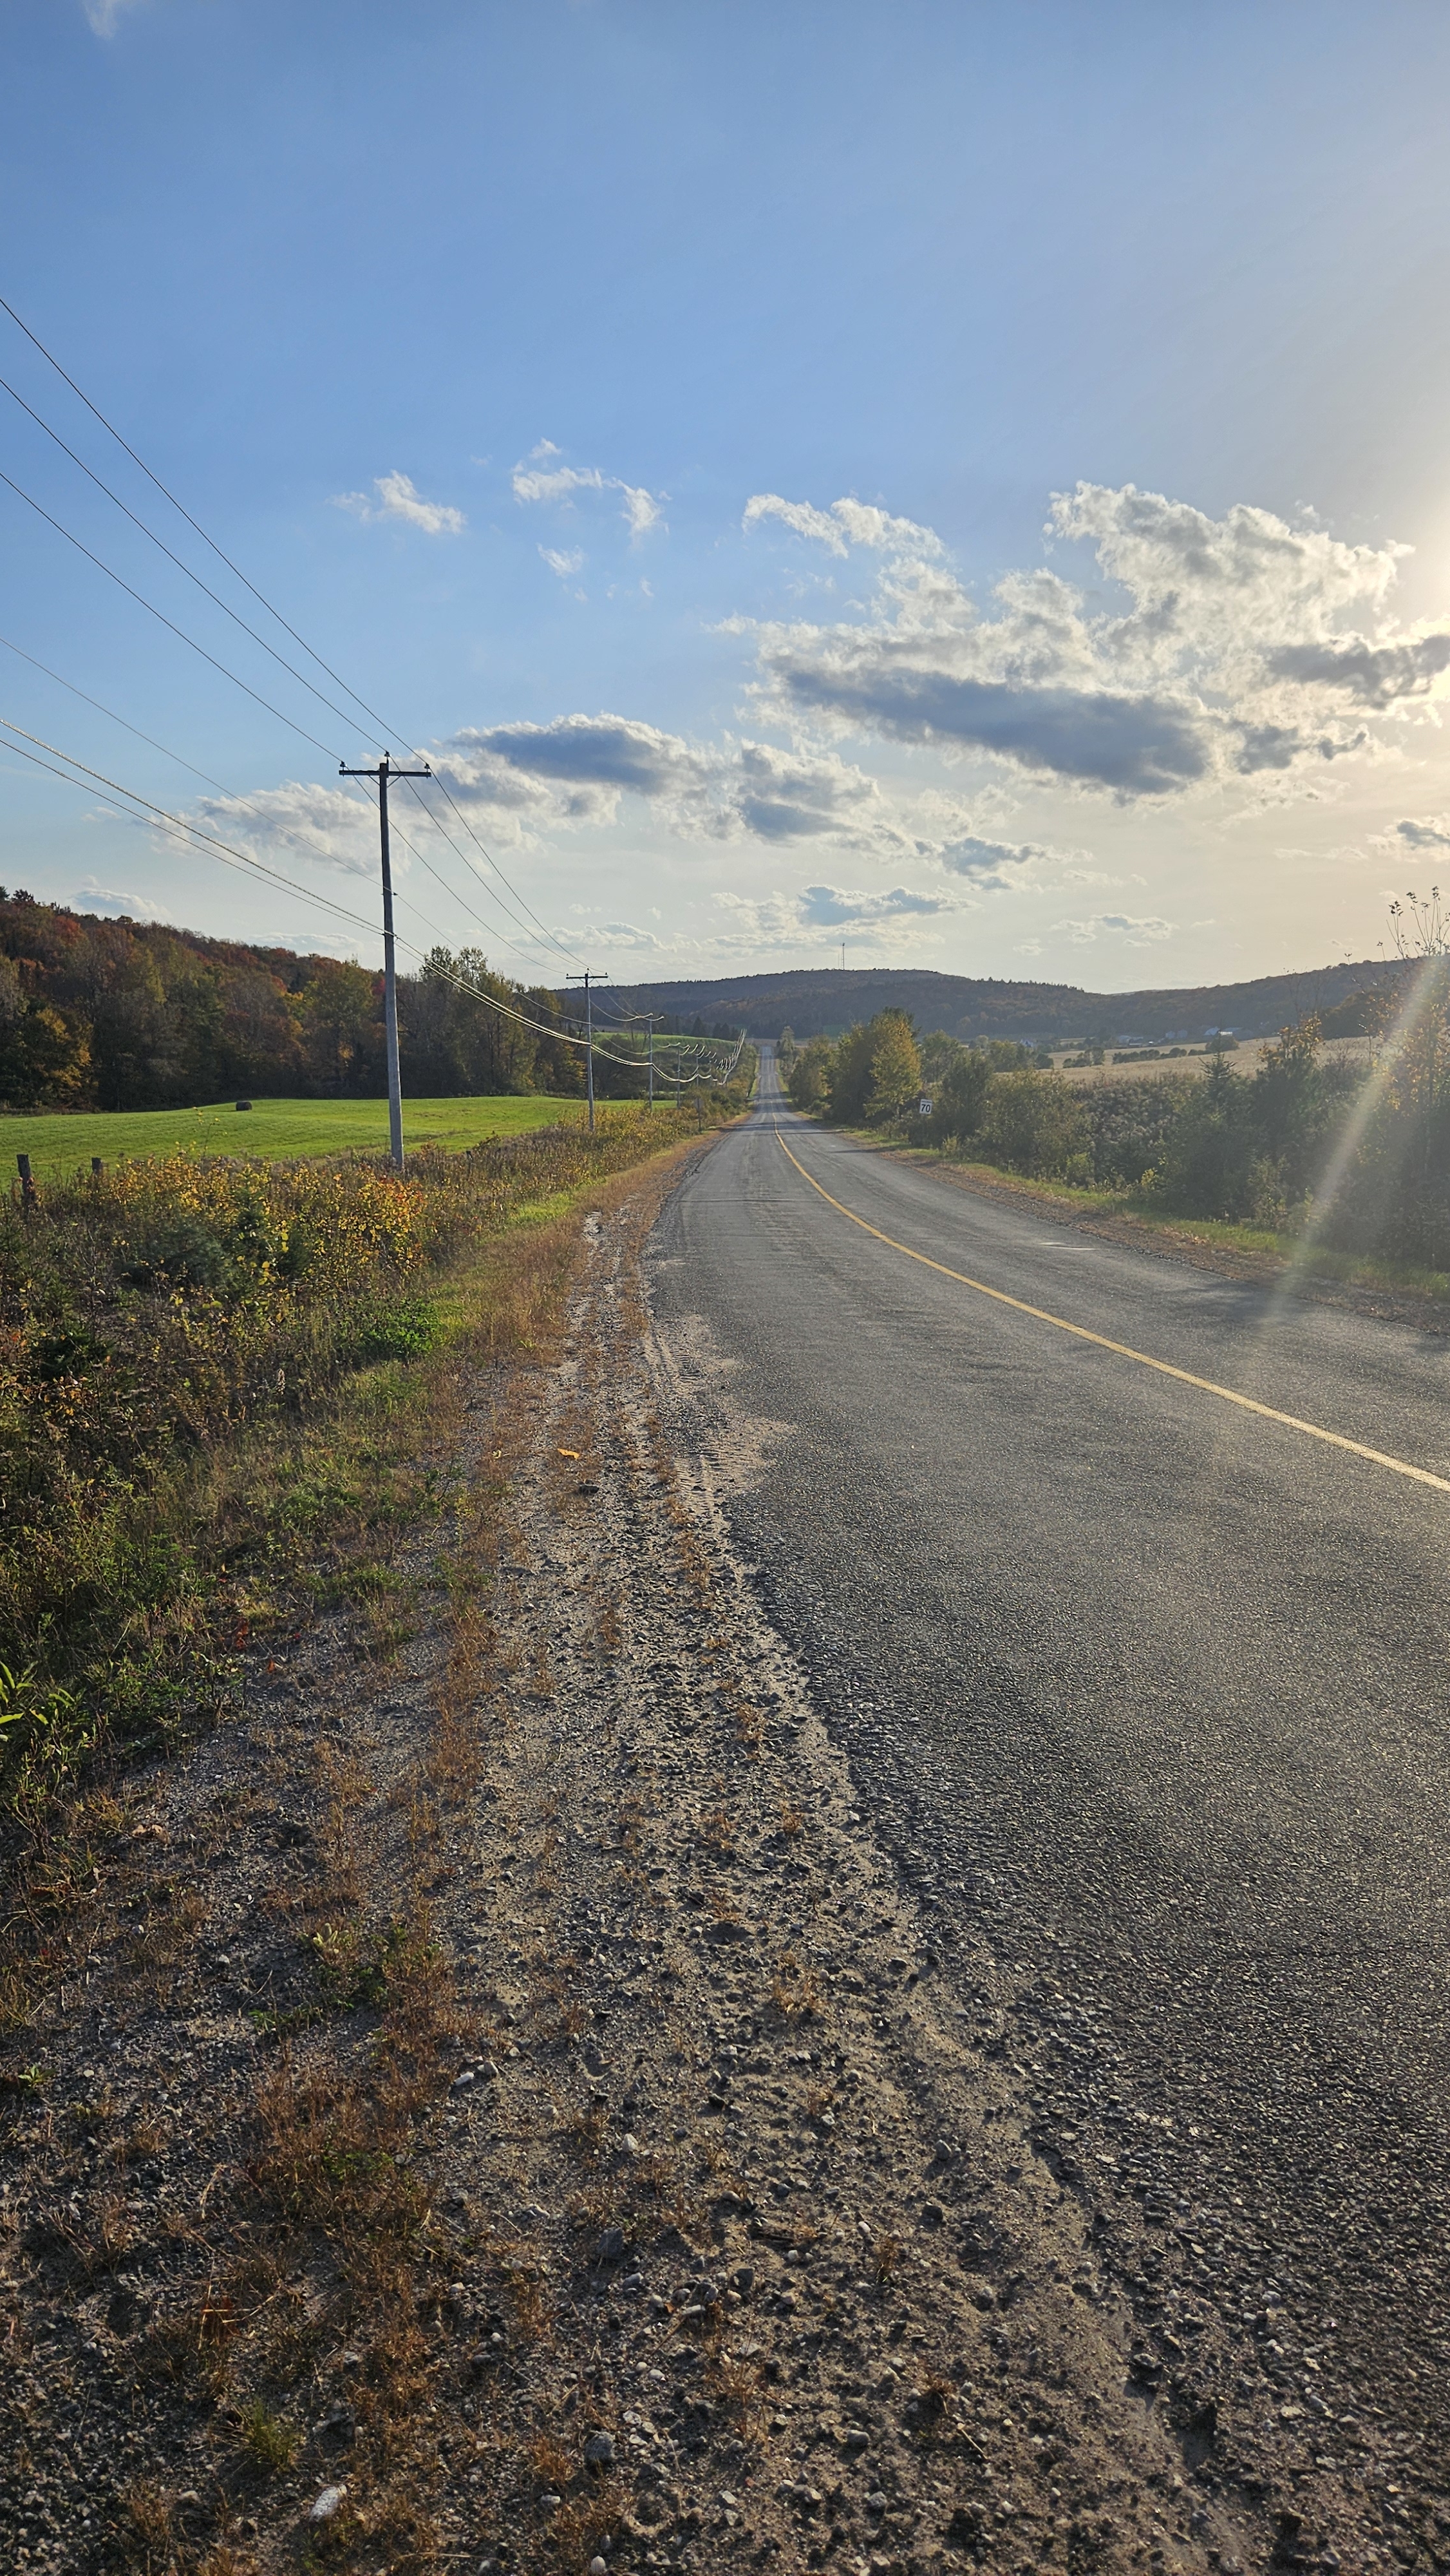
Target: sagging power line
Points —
{"points": [[389, 734], [177, 827], [139, 808]]}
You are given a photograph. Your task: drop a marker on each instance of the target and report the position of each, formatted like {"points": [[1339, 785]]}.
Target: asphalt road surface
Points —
{"points": [[1150, 1693]]}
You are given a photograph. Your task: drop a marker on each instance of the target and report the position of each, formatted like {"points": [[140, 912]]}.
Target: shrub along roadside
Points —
{"points": [[1353, 1159], [208, 1372]]}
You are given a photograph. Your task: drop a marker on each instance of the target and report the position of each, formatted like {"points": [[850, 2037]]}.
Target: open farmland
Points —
{"points": [[62, 1143], [1151, 1067]]}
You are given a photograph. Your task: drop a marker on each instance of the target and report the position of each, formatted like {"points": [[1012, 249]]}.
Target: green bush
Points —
{"points": [[1130, 1123], [1258, 1147], [808, 1082], [872, 1075], [959, 1096], [1387, 1188], [400, 1332], [1034, 1123]]}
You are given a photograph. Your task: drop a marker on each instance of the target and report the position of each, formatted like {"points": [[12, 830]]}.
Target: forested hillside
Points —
{"points": [[821, 1001], [118, 1014]]}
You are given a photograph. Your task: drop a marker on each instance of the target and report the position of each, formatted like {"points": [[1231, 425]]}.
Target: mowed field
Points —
{"points": [[62, 1144]]}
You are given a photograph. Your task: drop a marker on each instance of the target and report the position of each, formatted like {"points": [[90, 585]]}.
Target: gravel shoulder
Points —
{"points": [[501, 2106]]}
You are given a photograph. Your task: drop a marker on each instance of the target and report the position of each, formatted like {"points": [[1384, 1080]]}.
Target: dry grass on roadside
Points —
{"points": [[309, 1493], [795, 1990], [317, 2232]]}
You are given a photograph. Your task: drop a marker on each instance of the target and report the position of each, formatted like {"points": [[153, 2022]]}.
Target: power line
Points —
{"points": [[177, 827], [110, 427], [313, 655], [420, 799], [489, 929], [204, 587], [229, 855], [542, 927], [279, 831], [180, 823], [442, 881], [165, 621], [207, 780], [150, 739], [233, 676], [552, 937]]}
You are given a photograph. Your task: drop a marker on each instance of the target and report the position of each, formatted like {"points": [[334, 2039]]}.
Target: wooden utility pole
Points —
{"points": [[589, 979], [383, 772]]}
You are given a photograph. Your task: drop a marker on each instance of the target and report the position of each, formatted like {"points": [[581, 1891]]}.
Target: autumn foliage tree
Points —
{"points": [[119, 1014]]}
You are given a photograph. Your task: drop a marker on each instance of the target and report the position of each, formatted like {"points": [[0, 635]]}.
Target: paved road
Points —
{"points": [[1152, 1693]]}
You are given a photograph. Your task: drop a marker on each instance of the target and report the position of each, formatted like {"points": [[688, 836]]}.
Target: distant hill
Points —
{"points": [[822, 1001]]}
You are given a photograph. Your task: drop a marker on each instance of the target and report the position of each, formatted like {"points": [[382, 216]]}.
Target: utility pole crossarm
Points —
{"points": [[382, 771]]}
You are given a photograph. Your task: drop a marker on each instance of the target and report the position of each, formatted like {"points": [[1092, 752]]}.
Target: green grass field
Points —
{"points": [[63, 1144]]}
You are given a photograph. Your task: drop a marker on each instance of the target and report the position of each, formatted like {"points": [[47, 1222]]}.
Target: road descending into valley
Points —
{"points": [[1147, 1688]]}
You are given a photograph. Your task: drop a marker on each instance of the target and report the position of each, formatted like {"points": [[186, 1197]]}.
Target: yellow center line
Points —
{"points": [[1124, 1350]]}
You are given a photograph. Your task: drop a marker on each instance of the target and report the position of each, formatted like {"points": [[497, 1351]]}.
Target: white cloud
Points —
{"points": [[399, 498], [815, 917], [534, 481], [1375, 676], [110, 899], [1138, 928], [539, 479], [579, 768], [835, 907], [799, 515], [846, 524], [627, 934], [1237, 583], [1236, 649], [322, 824], [1431, 832], [1009, 863], [1139, 933], [104, 16], [641, 508], [1245, 658], [579, 771]]}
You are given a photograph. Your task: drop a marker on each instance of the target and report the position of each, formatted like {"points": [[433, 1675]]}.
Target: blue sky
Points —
{"points": [[965, 479]]}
